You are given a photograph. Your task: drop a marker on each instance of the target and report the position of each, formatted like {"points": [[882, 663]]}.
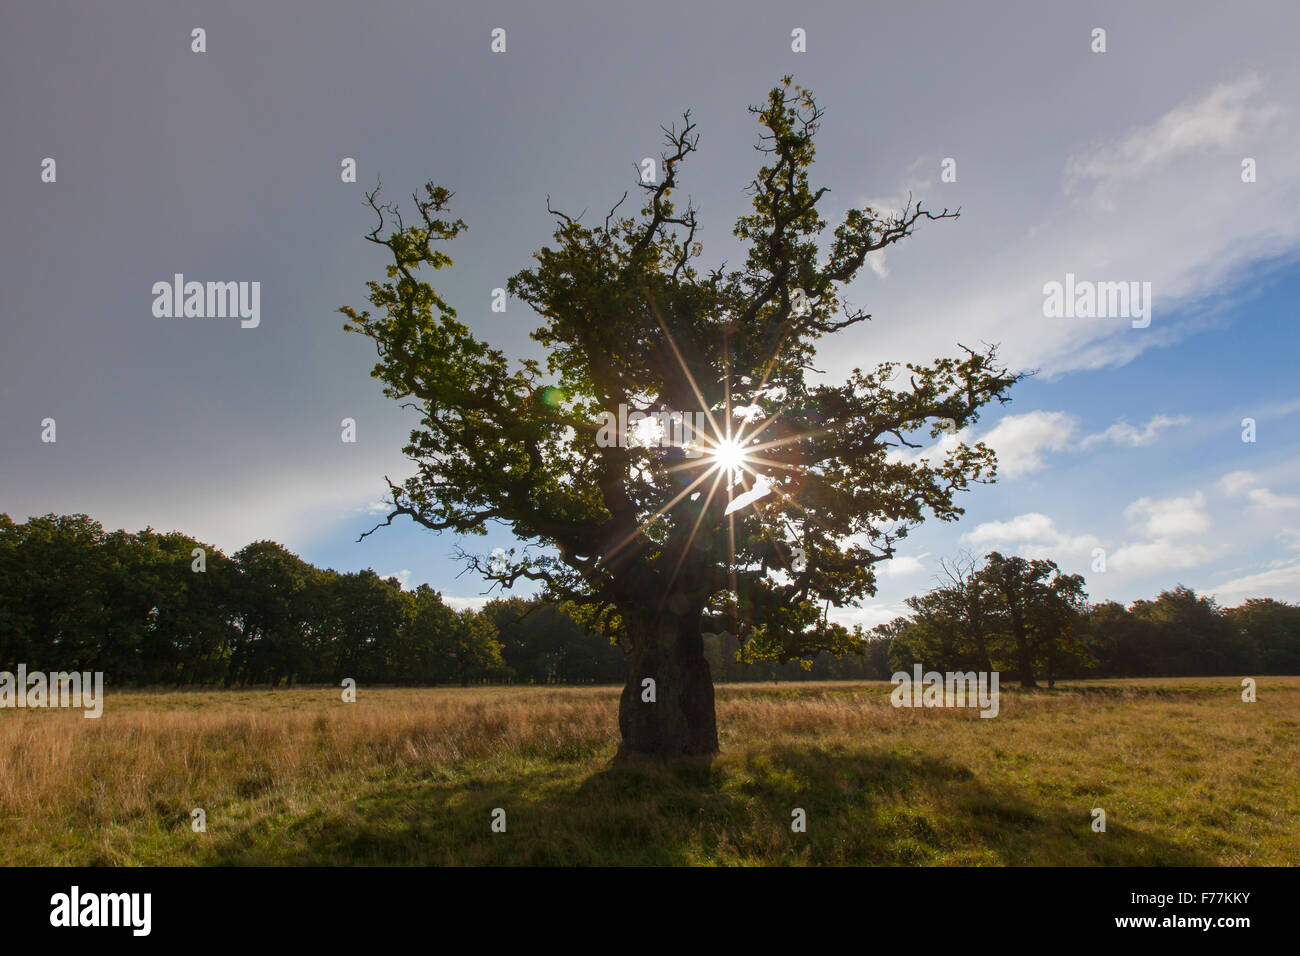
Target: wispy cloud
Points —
{"points": [[1122, 433], [1215, 123], [1033, 535], [1170, 517], [1282, 583], [1190, 251]]}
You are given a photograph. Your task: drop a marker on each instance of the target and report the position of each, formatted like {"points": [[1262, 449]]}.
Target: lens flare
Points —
{"points": [[729, 456]]}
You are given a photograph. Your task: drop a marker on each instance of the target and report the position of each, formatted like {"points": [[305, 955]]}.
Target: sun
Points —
{"points": [[729, 456]]}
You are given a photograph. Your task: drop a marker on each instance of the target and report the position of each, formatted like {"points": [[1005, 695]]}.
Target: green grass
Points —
{"points": [[1186, 772]]}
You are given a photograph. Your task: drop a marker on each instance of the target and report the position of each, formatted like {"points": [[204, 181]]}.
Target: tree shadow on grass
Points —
{"points": [[861, 809]]}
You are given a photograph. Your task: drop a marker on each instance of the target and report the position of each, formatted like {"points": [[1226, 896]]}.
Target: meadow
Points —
{"points": [[1186, 773]]}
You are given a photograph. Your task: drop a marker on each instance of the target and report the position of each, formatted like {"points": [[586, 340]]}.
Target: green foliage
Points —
{"points": [[629, 318], [1012, 614], [1037, 607], [1271, 629], [75, 597], [1177, 634], [553, 644], [1191, 632]]}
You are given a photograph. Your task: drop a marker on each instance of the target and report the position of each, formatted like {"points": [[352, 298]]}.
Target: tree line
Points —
{"points": [[148, 608], [1029, 620], [76, 597]]}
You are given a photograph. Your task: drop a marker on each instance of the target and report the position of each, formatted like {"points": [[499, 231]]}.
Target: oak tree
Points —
{"points": [[798, 486], [1037, 608]]}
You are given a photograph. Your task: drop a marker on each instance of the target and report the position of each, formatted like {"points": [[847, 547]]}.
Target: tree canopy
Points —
{"points": [[647, 535]]}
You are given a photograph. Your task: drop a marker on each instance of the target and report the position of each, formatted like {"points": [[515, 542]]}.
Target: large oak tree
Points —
{"points": [[779, 511]]}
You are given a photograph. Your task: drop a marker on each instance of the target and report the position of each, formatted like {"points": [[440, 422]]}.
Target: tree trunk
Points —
{"points": [[982, 646], [674, 716], [1024, 656]]}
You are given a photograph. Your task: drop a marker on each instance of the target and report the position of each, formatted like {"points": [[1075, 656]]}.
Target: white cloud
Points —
{"points": [[1239, 482], [1122, 433], [1263, 498], [1213, 124], [903, 565], [293, 507], [877, 262], [1170, 517], [1032, 535], [473, 602], [868, 616], [1279, 410], [1127, 218], [1236, 482], [1281, 583], [1027, 527], [1164, 521], [1159, 555], [1020, 440]]}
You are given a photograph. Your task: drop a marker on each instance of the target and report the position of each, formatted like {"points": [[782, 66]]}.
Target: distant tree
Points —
{"points": [[476, 650], [448, 646], [519, 629], [425, 653], [1122, 645], [1036, 607], [877, 647], [972, 597], [271, 610], [934, 634], [798, 492], [1272, 628], [951, 626], [545, 643], [60, 606], [15, 624], [187, 614], [368, 614], [1190, 634]]}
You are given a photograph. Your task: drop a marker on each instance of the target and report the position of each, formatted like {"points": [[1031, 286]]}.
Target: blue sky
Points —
{"points": [[223, 165]]}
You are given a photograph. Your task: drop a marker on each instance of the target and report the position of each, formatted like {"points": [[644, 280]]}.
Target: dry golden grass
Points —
{"points": [[1186, 772]]}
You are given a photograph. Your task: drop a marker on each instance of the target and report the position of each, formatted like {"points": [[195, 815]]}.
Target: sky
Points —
{"points": [[224, 165]]}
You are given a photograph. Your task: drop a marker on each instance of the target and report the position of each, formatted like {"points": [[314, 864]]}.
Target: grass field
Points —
{"points": [[1186, 772]]}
